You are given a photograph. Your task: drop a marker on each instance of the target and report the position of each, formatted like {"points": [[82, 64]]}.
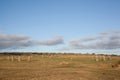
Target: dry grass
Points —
{"points": [[60, 67]]}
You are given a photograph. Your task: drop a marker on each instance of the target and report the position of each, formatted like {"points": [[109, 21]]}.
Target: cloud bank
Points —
{"points": [[53, 41], [17, 41], [14, 41], [104, 41]]}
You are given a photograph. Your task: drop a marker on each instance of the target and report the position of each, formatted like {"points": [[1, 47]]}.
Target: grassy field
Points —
{"points": [[59, 67]]}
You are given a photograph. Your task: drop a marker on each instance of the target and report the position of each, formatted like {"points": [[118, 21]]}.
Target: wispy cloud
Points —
{"points": [[86, 39], [109, 41], [53, 41], [18, 41], [105, 40], [10, 40]]}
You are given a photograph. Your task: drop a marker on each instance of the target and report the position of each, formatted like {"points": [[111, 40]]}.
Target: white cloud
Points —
{"points": [[16, 41], [90, 38], [109, 41], [9, 40], [53, 41], [104, 33]]}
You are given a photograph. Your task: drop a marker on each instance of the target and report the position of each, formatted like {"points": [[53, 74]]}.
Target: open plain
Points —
{"points": [[59, 67]]}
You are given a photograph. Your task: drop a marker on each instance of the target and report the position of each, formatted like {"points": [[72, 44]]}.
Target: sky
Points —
{"points": [[83, 26]]}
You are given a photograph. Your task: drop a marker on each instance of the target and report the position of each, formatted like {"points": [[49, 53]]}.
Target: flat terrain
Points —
{"points": [[59, 67]]}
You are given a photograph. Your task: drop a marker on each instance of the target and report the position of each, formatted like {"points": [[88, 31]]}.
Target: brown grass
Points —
{"points": [[59, 67]]}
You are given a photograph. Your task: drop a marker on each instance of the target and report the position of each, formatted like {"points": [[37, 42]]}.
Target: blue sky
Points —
{"points": [[60, 25]]}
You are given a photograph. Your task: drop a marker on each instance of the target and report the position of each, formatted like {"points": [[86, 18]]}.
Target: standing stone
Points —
{"points": [[28, 58], [104, 58], [96, 58], [109, 57], [12, 58], [19, 58], [8, 57]]}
